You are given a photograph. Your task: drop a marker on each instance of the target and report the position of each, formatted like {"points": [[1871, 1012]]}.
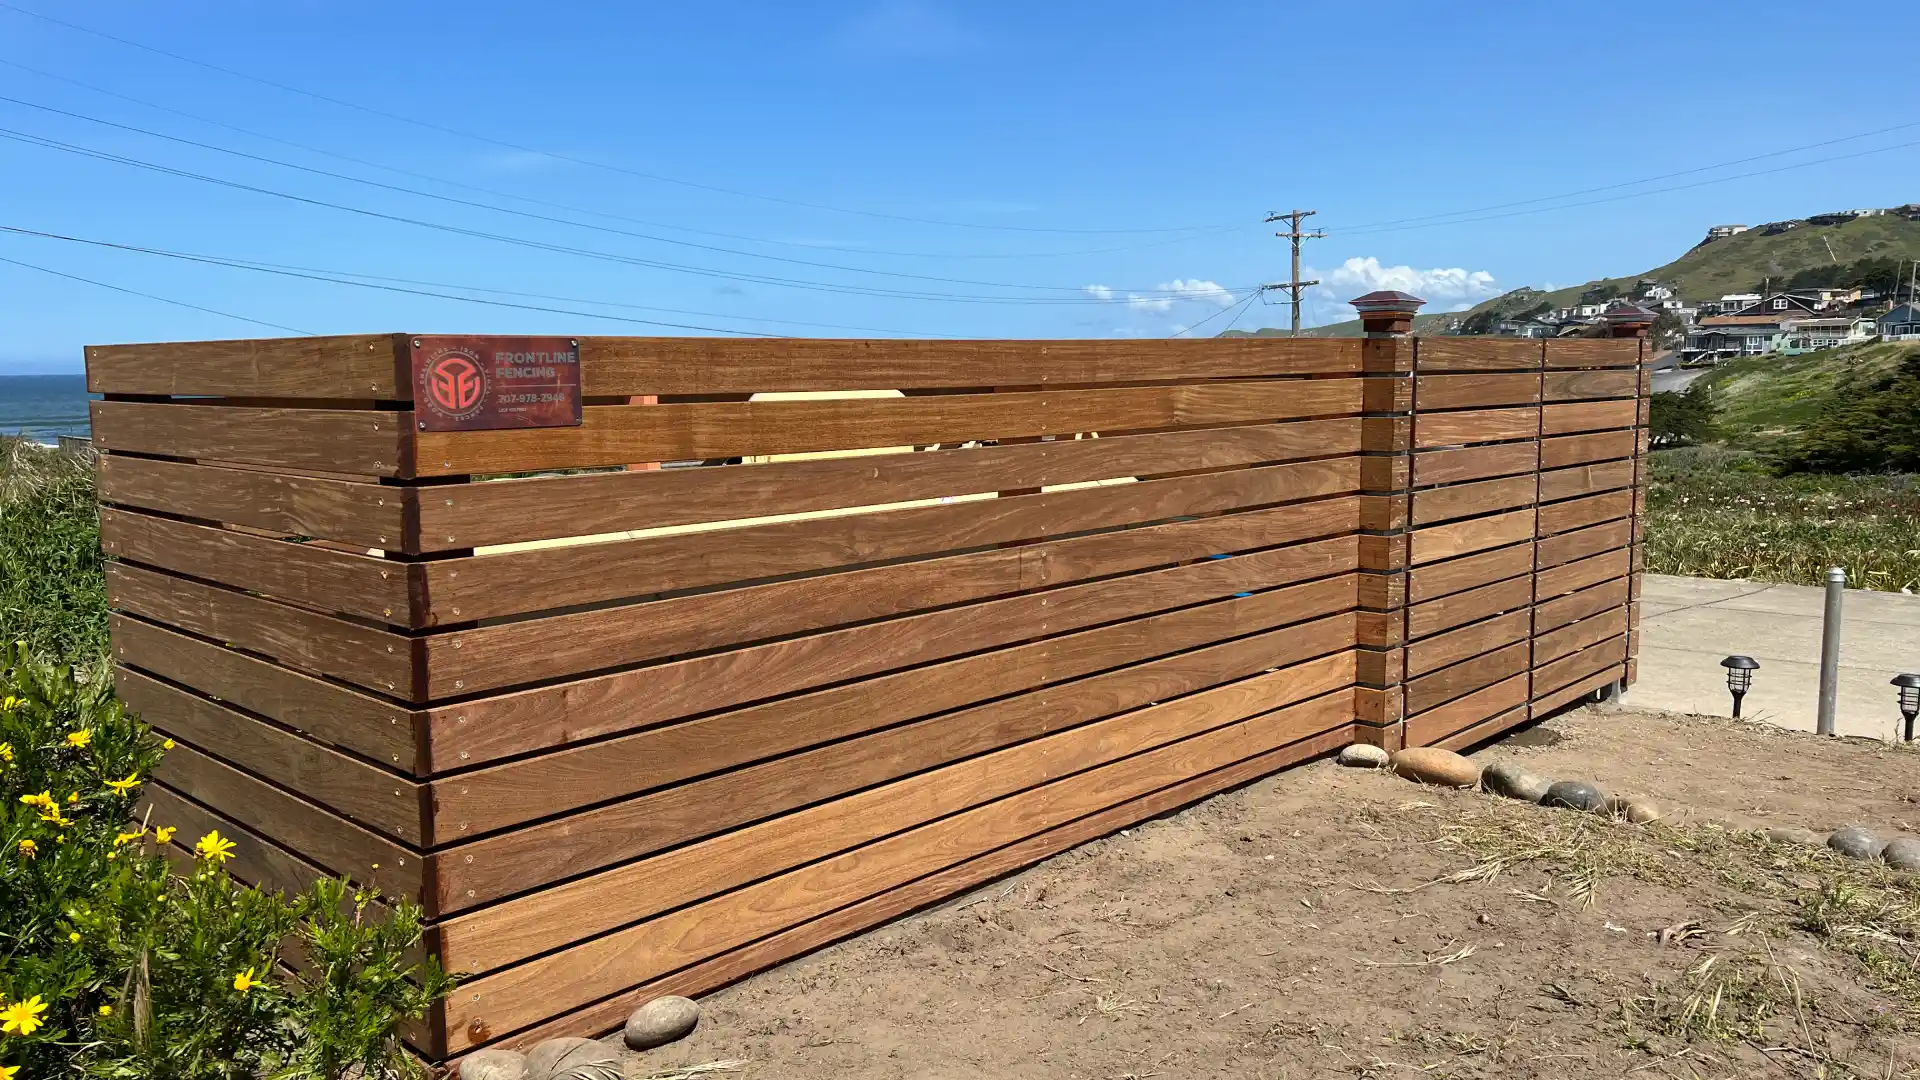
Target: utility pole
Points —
{"points": [[1293, 233]]}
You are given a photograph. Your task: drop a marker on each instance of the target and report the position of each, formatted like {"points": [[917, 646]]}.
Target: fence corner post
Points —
{"points": [[1386, 447], [1626, 320]]}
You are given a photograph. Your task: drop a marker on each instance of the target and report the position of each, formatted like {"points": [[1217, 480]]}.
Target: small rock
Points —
{"points": [[1363, 756], [1635, 808], [1856, 842], [493, 1065], [1433, 765], [661, 1021], [1782, 834], [1509, 779], [1576, 795], [1902, 853], [572, 1059]]}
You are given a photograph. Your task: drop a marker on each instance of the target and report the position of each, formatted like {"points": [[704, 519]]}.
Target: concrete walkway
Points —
{"points": [[1688, 625]]}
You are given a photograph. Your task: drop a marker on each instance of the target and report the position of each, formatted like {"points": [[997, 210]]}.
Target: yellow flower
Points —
{"points": [[52, 814], [28, 849], [128, 837], [44, 800], [6, 752], [72, 797], [23, 1017], [7, 1071], [74, 937], [166, 744], [164, 834], [245, 981], [121, 787], [106, 1010], [80, 739], [112, 855], [214, 848]]}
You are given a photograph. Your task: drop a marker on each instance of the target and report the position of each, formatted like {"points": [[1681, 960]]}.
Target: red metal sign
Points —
{"points": [[490, 383]]}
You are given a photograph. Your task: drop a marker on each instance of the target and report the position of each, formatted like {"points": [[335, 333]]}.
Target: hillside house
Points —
{"points": [[1721, 232], [1725, 337], [1901, 324], [1826, 332], [1729, 304]]}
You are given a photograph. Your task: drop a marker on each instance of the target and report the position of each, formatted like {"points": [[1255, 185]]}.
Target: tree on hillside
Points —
{"points": [[1684, 418], [1864, 425], [1668, 331]]}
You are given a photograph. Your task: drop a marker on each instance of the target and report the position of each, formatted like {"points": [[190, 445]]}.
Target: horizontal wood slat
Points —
{"points": [[363, 441], [1477, 426], [1572, 694], [1581, 385], [1468, 500], [1514, 594], [1597, 657], [615, 434], [1474, 463], [1576, 636], [1477, 354], [1465, 537], [1435, 580], [1475, 391], [355, 366], [1553, 614], [1565, 450], [1442, 686], [1585, 480], [1566, 547], [1451, 647], [1579, 416], [1577, 513], [366, 514], [1593, 352], [1436, 724]]}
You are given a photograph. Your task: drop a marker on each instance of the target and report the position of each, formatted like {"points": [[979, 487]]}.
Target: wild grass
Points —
{"points": [[1720, 513], [52, 588]]}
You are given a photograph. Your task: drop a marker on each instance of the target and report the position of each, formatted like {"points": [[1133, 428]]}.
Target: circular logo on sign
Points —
{"points": [[456, 384]]}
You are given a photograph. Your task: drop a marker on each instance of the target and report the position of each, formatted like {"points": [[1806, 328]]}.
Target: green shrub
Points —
{"points": [[1864, 425], [53, 592], [112, 965]]}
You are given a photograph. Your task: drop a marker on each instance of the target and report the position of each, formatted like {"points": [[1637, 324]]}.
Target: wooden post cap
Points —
{"points": [[1625, 320], [1387, 312]]}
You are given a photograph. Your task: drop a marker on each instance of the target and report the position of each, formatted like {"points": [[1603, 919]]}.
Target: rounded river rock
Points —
{"points": [[1433, 765], [1510, 779], [1363, 756], [1576, 795], [573, 1059], [1856, 842], [1902, 853], [661, 1021], [493, 1065]]}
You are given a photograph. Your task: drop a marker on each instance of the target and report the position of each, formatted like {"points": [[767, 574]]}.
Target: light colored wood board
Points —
{"points": [[1574, 514], [1461, 713], [366, 725], [364, 793], [1386, 394], [1484, 730], [528, 993], [1593, 353], [1585, 480], [1608, 653], [1431, 691], [1513, 594], [1432, 430], [368, 515], [473, 804], [590, 640], [1573, 417], [1434, 653], [1590, 601], [491, 728], [1565, 450], [1474, 463], [1378, 707], [525, 858], [1465, 537], [1577, 575], [375, 659], [1434, 505], [344, 367], [1568, 546], [496, 936], [540, 579], [360, 441], [1382, 591], [1573, 637], [1380, 472], [511, 511], [1587, 385], [323, 838], [305, 574], [1476, 354], [1383, 513], [717, 680], [617, 434], [1434, 580], [610, 1013], [1475, 391], [1572, 694], [611, 366]]}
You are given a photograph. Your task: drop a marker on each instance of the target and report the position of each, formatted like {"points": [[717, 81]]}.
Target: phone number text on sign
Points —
{"points": [[493, 383]]}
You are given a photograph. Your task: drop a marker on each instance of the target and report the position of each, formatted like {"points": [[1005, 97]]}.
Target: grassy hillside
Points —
{"points": [[1735, 264], [1763, 399]]}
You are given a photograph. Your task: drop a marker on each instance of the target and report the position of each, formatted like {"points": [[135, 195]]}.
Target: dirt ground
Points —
{"points": [[1332, 922]]}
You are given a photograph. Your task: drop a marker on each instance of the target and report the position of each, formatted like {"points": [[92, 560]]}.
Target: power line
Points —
{"points": [[588, 162], [462, 185], [342, 277], [1241, 305], [589, 253], [151, 296], [548, 218], [1293, 234]]}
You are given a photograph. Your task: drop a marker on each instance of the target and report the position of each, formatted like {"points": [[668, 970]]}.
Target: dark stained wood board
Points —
{"points": [[1583, 385], [1560, 451], [1433, 505], [1576, 636], [347, 367], [1439, 687], [1577, 575], [1592, 600], [369, 515], [367, 442], [1585, 480], [1434, 580], [1474, 426], [1593, 352], [1566, 547], [1435, 392], [1578, 416], [616, 434], [1559, 699], [1466, 642], [511, 511], [1435, 724], [1513, 594], [1475, 534], [1573, 514], [1607, 653], [1433, 354]]}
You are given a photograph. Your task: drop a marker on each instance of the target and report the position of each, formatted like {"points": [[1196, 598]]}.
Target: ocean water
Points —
{"points": [[43, 406]]}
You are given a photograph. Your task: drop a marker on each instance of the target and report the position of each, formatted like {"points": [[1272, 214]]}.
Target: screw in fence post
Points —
{"points": [[1830, 649]]}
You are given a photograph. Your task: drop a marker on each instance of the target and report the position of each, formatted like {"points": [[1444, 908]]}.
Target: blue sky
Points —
{"points": [[988, 150]]}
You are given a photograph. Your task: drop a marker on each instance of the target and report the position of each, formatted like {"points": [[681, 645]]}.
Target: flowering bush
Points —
{"points": [[113, 963]]}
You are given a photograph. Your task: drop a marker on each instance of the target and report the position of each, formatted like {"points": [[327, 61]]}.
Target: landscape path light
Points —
{"points": [[1909, 685], [1740, 671]]}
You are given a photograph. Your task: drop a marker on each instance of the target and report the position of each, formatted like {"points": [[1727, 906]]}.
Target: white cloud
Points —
{"points": [[1098, 292], [1195, 289], [1444, 289], [1166, 294]]}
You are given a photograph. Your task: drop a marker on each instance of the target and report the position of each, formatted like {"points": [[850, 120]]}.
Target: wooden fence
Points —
{"points": [[631, 731]]}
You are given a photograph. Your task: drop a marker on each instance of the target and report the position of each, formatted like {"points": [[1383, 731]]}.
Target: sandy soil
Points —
{"points": [[1293, 928]]}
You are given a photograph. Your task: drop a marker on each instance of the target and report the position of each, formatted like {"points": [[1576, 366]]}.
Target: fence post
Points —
{"points": [[1626, 320], [1386, 447]]}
